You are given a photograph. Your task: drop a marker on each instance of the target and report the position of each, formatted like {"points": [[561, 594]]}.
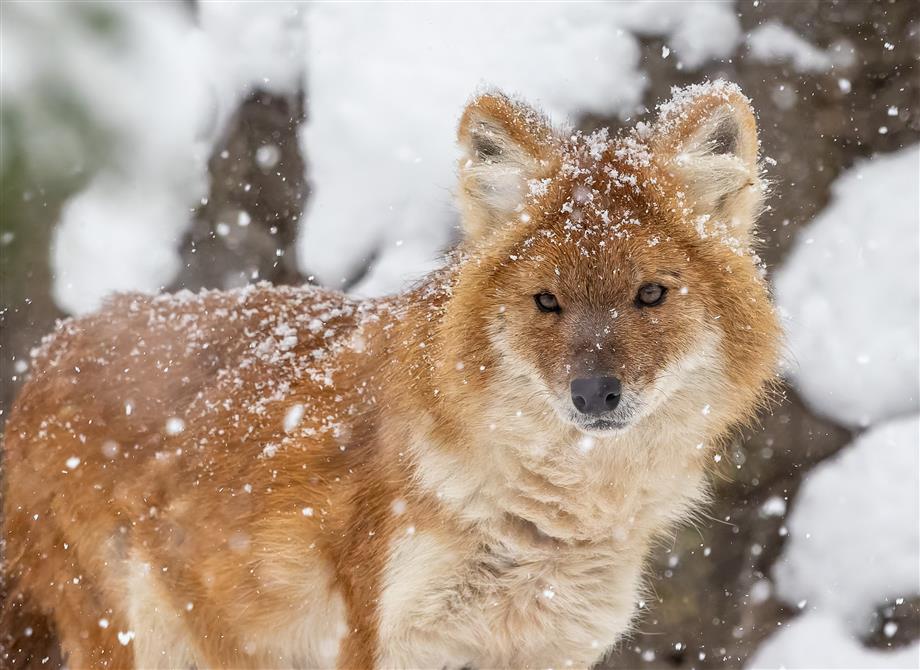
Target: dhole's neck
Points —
{"points": [[513, 468]]}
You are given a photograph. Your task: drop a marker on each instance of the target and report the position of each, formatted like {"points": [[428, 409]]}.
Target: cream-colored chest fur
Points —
{"points": [[520, 600], [537, 561]]}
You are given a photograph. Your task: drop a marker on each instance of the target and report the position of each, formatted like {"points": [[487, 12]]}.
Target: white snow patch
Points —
{"points": [[854, 531], [772, 42], [115, 236], [174, 425], [696, 31], [254, 44], [818, 641], [293, 417], [850, 292]]}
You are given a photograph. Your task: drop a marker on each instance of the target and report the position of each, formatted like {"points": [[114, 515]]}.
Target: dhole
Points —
{"points": [[468, 474]]}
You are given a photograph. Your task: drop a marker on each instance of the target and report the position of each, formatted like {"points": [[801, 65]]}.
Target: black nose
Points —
{"points": [[595, 395]]}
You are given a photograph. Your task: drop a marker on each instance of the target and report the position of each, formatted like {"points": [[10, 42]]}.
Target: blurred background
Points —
{"points": [[159, 146]]}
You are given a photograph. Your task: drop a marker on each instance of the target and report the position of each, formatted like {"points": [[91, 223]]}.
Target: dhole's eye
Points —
{"points": [[546, 302], [650, 295]]}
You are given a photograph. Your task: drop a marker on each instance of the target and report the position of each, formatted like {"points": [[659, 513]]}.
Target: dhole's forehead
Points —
{"points": [[609, 189], [604, 209], [596, 262]]}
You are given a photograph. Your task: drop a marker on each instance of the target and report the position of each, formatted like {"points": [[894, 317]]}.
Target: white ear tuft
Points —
{"points": [[706, 137], [505, 144]]}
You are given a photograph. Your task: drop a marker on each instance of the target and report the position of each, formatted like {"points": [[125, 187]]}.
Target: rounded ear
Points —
{"points": [[505, 144], [706, 138]]}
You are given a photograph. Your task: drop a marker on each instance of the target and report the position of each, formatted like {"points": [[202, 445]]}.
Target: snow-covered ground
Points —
{"points": [[866, 500], [820, 641]]}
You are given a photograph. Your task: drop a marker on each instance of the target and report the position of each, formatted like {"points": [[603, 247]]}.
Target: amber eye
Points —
{"points": [[546, 302], [650, 295]]}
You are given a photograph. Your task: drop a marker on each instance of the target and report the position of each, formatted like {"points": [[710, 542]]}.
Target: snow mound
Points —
{"points": [[255, 44], [818, 641], [854, 545], [772, 42], [850, 293], [157, 90], [697, 31], [387, 85], [854, 531], [117, 237], [123, 230]]}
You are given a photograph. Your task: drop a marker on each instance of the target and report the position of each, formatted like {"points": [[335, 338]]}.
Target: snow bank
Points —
{"points": [[854, 545], [387, 84], [696, 31], [854, 531], [158, 89], [850, 292], [818, 641], [772, 42], [122, 231]]}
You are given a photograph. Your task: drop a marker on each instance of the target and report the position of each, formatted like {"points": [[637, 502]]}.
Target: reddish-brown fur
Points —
{"points": [[192, 462]]}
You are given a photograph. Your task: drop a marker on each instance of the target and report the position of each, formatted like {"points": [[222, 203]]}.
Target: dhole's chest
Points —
{"points": [[478, 602]]}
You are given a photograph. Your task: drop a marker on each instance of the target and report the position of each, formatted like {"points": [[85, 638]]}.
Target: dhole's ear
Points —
{"points": [[706, 136], [505, 144]]}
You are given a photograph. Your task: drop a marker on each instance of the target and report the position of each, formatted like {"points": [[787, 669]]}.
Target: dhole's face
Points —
{"points": [[598, 312], [604, 267]]}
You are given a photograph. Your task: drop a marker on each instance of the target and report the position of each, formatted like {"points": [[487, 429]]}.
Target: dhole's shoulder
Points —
{"points": [[143, 325], [155, 355]]}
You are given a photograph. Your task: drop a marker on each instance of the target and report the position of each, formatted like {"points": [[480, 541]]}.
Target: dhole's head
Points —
{"points": [[610, 279]]}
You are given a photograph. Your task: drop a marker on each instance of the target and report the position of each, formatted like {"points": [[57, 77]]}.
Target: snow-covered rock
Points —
{"points": [[850, 292]]}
